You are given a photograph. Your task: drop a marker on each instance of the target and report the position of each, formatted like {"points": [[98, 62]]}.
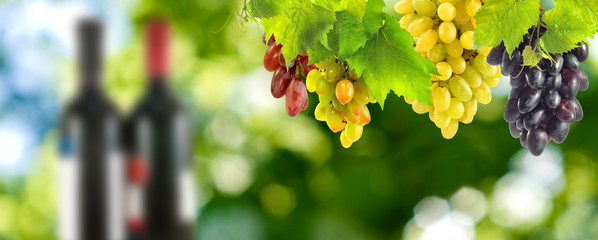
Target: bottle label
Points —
{"points": [[68, 182], [114, 181], [182, 145]]}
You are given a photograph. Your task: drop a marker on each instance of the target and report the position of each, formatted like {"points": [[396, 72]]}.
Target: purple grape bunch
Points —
{"points": [[542, 102]]}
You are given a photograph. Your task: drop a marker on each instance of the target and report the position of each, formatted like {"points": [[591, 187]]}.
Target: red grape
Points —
{"points": [[296, 97], [280, 82], [271, 62]]}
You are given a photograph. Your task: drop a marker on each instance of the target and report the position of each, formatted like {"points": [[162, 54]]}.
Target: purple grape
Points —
{"points": [[581, 52], [570, 85], [529, 100], [533, 119], [519, 124], [517, 82], [553, 82], [578, 109], [565, 111], [570, 62], [523, 138], [535, 78], [584, 81], [556, 67], [551, 98], [537, 140], [515, 93], [496, 55], [509, 64], [513, 129], [558, 130], [511, 111]]}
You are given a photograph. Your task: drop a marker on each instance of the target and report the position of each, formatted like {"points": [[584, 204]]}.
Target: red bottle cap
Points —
{"points": [[157, 40]]}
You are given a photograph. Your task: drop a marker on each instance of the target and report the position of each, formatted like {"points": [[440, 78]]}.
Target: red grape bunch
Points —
{"points": [[542, 101], [286, 81]]}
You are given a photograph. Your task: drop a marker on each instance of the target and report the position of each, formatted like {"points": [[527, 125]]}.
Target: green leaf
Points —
{"points": [[267, 8], [319, 53], [300, 28], [566, 28], [389, 62], [355, 7], [531, 57], [586, 8], [332, 5], [351, 34], [506, 20], [373, 17]]}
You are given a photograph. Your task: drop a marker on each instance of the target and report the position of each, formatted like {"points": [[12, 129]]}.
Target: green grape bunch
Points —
{"points": [[343, 99]]}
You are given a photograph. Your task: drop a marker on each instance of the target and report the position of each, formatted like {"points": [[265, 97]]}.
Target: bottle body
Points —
{"points": [[161, 185]]}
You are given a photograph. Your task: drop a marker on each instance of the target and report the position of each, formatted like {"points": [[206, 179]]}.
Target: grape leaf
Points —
{"points": [[506, 20], [300, 28], [267, 8], [566, 28], [351, 34], [585, 8], [388, 62], [531, 57], [332, 5], [319, 53], [372, 18], [356, 8]]}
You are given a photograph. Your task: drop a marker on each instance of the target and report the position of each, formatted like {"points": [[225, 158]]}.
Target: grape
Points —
{"points": [[570, 85], [312, 80], [533, 119], [404, 6], [353, 131], [427, 40], [451, 130], [455, 110], [445, 70], [472, 76], [420, 108], [482, 93], [344, 91], [447, 12], [496, 55], [447, 32], [334, 119], [437, 53], [420, 25], [441, 98], [320, 112], [458, 64], [271, 62], [472, 6], [280, 82], [334, 73], [362, 93], [488, 70], [365, 116], [535, 78], [407, 19], [467, 41], [556, 83], [323, 86], [529, 100], [424, 7], [296, 97], [551, 98], [462, 16], [537, 140], [460, 89], [454, 48], [570, 61], [345, 142], [581, 52]]}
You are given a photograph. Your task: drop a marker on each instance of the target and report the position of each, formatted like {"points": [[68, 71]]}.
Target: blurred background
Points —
{"points": [[263, 175]]}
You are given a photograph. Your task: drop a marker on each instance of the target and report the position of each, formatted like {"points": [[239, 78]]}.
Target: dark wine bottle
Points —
{"points": [[91, 167], [158, 141]]}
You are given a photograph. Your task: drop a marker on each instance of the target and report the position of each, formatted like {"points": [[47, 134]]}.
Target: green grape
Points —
{"points": [[482, 93], [311, 82], [441, 119], [362, 93], [441, 97], [421, 108], [336, 104], [354, 108], [427, 40], [326, 98], [323, 87], [424, 7], [456, 110], [334, 119], [471, 108], [420, 25], [458, 64], [404, 6], [472, 76], [345, 142], [451, 130], [482, 65], [492, 81], [407, 19], [321, 110], [447, 32], [454, 48], [460, 88], [447, 12], [462, 18], [353, 131], [349, 117], [334, 72], [445, 70], [472, 6], [467, 40], [468, 27], [437, 53]]}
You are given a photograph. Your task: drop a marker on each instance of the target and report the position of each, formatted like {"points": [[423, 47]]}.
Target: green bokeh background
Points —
{"points": [[263, 175]]}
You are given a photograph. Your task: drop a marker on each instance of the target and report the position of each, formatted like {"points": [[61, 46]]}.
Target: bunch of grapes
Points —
{"points": [[286, 81], [542, 101], [343, 98], [443, 31]]}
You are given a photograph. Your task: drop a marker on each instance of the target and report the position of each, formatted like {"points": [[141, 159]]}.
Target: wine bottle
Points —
{"points": [[91, 167], [158, 133]]}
